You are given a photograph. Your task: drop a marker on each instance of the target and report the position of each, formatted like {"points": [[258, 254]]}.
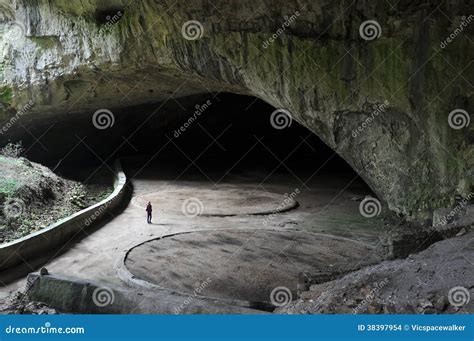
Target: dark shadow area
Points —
{"points": [[224, 133]]}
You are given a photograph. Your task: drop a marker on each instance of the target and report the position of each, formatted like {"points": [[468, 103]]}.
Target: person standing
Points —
{"points": [[149, 209]]}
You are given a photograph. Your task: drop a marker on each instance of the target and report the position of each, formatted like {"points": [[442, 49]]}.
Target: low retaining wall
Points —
{"points": [[132, 281], [401, 243], [72, 295], [59, 233]]}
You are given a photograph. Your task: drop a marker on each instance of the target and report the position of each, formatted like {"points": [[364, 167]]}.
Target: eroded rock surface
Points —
{"points": [[69, 56], [437, 280]]}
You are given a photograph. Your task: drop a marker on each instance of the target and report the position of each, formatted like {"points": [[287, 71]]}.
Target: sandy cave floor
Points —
{"points": [[332, 235]]}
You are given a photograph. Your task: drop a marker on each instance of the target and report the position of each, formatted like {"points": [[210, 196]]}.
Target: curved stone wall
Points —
{"points": [[59, 233]]}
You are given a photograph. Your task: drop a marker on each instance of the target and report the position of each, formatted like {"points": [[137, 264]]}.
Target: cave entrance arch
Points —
{"points": [[227, 132], [241, 158], [213, 137]]}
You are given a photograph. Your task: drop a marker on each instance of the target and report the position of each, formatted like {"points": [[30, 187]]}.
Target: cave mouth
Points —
{"points": [[221, 162], [221, 133], [212, 137]]}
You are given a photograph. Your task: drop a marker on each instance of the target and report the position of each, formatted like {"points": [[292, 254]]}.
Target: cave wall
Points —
{"points": [[80, 56]]}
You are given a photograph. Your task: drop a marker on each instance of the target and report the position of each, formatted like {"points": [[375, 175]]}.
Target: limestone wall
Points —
{"points": [[71, 56]]}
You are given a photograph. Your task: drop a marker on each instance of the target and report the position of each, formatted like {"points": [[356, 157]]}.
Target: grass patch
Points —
{"points": [[6, 94]]}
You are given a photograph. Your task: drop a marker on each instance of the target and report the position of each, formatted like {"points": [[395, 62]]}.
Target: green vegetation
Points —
{"points": [[6, 94], [39, 196], [45, 42], [77, 8]]}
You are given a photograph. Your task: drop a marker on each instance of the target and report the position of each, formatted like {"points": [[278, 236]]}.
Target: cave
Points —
{"points": [[239, 165], [280, 152]]}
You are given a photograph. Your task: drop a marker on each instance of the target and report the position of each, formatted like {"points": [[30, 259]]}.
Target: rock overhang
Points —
{"points": [[317, 67]]}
